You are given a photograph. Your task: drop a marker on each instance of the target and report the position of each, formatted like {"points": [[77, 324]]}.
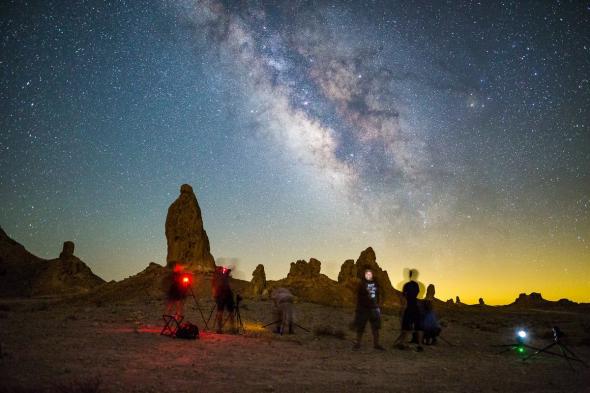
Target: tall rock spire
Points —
{"points": [[188, 243]]}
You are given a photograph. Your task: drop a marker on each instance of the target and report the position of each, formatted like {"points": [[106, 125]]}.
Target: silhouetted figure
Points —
{"points": [[367, 310], [415, 275], [430, 292], [224, 297], [432, 328], [176, 291], [412, 317]]}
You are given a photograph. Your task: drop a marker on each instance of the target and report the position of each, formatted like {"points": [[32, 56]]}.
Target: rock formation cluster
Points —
{"points": [[308, 283], [24, 274]]}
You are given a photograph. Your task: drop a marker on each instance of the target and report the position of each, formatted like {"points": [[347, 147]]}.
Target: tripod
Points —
{"points": [[237, 316], [198, 306], [565, 351], [278, 322], [235, 313]]}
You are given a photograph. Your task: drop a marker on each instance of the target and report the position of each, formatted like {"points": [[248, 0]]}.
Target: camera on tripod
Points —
{"points": [[557, 333]]}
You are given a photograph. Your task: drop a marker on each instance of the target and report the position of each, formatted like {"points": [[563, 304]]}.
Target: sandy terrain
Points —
{"points": [[50, 346]]}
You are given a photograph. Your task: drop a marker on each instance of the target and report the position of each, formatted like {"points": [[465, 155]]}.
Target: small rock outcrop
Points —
{"points": [[64, 275], [481, 302], [347, 271], [67, 250], [306, 282], [258, 283], [533, 300], [303, 269], [188, 243]]}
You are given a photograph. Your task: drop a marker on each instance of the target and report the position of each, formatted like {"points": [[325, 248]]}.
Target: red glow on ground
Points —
{"points": [[156, 329]]}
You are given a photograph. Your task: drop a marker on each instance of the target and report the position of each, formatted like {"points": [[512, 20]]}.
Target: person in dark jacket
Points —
{"points": [[224, 297], [176, 290], [412, 316], [367, 310]]}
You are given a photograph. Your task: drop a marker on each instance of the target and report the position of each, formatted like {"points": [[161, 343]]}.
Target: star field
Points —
{"points": [[451, 137]]}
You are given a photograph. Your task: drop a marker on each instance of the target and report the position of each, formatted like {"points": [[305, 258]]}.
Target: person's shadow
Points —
{"points": [[415, 275]]}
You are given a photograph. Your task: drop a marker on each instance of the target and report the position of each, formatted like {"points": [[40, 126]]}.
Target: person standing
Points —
{"points": [[176, 291], [412, 317], [367, 310], [224, 298]]}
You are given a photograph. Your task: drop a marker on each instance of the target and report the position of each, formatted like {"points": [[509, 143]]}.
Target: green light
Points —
{"points": [[520, 350]]}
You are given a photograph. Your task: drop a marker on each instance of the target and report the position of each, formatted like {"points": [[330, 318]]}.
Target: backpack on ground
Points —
{"points": [[188, 331]]}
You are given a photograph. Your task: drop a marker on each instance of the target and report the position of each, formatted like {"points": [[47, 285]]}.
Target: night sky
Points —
{"points": [[451, 138]]}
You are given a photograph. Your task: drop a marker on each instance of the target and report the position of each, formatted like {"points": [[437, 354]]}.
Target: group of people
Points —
{"points": [[416, 317], [178, 286], [178, 283]]}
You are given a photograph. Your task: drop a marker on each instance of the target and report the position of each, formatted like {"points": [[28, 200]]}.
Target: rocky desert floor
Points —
{"points": [[69, 346]]}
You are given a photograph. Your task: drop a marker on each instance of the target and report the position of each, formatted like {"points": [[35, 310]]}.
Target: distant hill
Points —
{"points": [[23, 274], [535, 300]]}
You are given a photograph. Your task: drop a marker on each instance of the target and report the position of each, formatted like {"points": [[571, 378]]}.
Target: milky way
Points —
{"points": [[451, 138]]}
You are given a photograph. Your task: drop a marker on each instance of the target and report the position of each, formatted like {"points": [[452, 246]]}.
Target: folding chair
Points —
{"points": [[171, 325]]}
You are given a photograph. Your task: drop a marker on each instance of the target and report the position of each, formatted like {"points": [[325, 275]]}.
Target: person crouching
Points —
{"points": [[282, 300], [367, 310], [432, 327]]}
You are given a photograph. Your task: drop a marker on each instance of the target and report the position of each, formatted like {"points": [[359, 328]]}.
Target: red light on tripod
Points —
{"points": [[185, 280]]}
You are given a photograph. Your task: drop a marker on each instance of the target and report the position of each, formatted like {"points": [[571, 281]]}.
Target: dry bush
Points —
{"points": [[329, 331]]}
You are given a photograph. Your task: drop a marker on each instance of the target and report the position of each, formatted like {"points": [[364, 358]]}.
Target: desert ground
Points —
{"points": [[53, 345]]}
